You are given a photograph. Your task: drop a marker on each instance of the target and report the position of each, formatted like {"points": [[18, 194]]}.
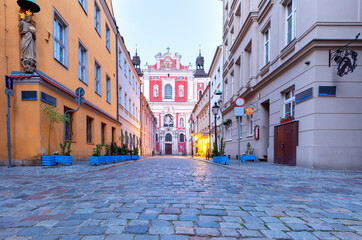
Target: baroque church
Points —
{"points": [[172, 90]]}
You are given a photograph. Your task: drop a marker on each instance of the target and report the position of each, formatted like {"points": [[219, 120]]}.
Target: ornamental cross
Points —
{"points": [[168, 49]]}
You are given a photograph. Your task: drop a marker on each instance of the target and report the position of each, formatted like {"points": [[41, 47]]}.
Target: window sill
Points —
{"points": [[229, 140], [83, 82], [250, 136], [88, 143], [85, 11], [98, 94]]}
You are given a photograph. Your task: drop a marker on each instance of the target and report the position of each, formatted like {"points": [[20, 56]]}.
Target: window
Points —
{"points": [[113, 134], [182, 137], [83, 3], [122, 137], [168, 91], [130, 105], [200, 94], [291, 9], [250, 63], [289, 103], [125, 68], [120, 58], [97, 78], [168, 137], [156, 137], [133, 112], [133, 82], [108, 37], [228, 132], [267, 46], [129, 75], [103, 132], [97, 18], [125, 101], [226, 85], [60, 33], [89, 129], [120, 96], [251, 125], [108, 89], [232, 84], [82, 63], [69, 125]]}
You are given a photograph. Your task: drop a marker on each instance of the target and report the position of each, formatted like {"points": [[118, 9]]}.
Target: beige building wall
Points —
{"points": [[329, 134]]}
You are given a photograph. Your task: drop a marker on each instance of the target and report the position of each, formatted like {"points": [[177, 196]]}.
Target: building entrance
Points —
{"points": [[168, 148]]}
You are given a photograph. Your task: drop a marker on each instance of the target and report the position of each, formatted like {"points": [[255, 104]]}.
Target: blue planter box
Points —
{"points": [[113, 159], [248, 157], [216, 159], [47, 160], [135, 157], [221, 159], [64, 159], [128, 157], [119, 158], [95, 160], [106, 159]]}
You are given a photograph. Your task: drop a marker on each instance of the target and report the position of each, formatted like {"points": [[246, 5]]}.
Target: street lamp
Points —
{"points": [[215, 111]]}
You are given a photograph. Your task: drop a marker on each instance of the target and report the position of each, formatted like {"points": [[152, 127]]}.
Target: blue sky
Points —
{"points": [[183, 25]]}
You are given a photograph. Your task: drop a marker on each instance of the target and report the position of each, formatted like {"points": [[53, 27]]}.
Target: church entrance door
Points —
{"points": [[168, 148]]}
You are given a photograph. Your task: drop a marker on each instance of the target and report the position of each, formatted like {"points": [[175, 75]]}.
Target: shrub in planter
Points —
{"points": [[65, 157], [106, 157], [96, 158], [248, 154], [223, 159], [135, 155]]}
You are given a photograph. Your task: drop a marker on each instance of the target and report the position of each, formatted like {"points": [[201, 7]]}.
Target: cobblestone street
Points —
{"points": [[180, 198]]}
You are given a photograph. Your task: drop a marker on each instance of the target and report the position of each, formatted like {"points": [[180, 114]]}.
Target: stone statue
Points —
{"points": [[168, 122], [181, 91], [155, 91], [27, 42]]}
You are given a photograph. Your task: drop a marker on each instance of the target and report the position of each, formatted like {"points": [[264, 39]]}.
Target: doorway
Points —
{"points": [[285, 143], [168, 148]]}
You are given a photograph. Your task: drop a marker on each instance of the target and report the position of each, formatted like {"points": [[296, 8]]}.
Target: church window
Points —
{"points": [[168, 91]]}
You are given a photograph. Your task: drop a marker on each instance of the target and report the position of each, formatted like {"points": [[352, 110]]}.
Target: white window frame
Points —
{"points": [[287, 101], [58, 21], [82, 62], [120, 58], [251, 125], [97, 78], [84, 4], [97, 18], [108, 89], [108, 37], [293, 17], [267, 46], [229, 132]]}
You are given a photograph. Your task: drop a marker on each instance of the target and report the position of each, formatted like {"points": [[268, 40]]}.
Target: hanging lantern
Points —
{"points": [[29, 4], [249, 111]]}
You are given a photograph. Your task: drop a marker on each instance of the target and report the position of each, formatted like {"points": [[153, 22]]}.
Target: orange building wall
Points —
{"points": [[29, 130]]}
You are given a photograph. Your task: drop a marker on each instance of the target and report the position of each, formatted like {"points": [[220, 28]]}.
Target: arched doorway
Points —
{"points": [[168, 143]]}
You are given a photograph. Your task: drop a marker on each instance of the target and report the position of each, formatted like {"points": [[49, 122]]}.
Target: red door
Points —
{"points": [[285, 143]]}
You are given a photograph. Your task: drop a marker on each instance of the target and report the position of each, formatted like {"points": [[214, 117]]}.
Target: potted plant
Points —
{"points": [[135, 154], [287, 118], [107, 154], [96, 158], [223, 158], [113, 153], [215, 154], [248, 154], [54, 116], [65, 157]]}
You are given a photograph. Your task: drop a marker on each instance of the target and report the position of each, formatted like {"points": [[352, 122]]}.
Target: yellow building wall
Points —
{"points": [[28, 125]]}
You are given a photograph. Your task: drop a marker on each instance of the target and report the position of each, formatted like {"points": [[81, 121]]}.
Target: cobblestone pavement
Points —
{"points": [[180, 198]]}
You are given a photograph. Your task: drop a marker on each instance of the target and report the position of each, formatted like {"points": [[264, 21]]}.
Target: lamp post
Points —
{"points": [[215, 110]]}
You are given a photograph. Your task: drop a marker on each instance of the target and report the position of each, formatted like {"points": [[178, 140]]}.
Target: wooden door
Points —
{"points": [[285, 143], [168, 148]]}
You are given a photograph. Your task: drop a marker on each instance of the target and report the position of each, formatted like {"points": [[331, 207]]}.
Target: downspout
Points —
{"points": [[117, 89]]}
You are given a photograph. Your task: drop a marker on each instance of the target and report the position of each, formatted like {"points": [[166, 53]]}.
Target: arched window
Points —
{"points": [[156, 137], [168, 91], [168, 121], [168, 137], [182, 123], [182, 137], [200, 94]]}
